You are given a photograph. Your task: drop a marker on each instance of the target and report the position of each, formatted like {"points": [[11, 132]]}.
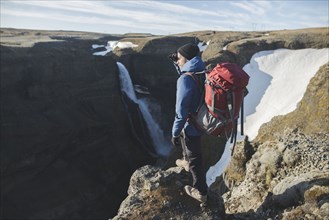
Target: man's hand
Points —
{"points": [[173, 57], [175, 141]]}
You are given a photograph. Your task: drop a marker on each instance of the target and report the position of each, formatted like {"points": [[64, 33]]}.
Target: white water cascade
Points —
{"points": [[161, 145]]}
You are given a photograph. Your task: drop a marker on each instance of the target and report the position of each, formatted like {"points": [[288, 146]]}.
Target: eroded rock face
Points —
{"points": [[66, 142]]}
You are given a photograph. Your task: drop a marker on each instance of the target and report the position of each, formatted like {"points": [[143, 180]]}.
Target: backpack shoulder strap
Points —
{"points": [[193, 77], [196, 77]]}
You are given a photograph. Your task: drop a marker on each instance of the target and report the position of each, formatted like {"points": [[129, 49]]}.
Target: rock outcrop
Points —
{"points": [[158, 194], [287, 178]]}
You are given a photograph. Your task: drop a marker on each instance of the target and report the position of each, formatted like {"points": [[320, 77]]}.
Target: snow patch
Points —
{"points": [[111, 45], [203, 46]]}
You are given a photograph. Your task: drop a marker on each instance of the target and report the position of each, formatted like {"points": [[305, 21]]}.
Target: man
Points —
{"points": [[191, 68]]}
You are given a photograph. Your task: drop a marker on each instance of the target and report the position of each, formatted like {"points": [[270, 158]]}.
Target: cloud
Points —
{"points": [[174, 9], [152, 16], [131, 9], [254, 7], [146, 20], [84, 7], [66, 18], [162, 17]]}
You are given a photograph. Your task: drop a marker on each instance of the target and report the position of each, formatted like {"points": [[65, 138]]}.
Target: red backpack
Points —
{"points": [[224, 91]]}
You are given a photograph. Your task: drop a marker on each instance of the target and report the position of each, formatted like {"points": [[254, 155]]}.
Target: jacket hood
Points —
{"points": [[193, 65]]}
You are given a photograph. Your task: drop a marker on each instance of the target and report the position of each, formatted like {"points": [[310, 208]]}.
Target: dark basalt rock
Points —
{"points": [[67, 148]]}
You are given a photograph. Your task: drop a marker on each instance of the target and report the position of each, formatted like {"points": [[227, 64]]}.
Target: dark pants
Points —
{"points": [[192, 153]]}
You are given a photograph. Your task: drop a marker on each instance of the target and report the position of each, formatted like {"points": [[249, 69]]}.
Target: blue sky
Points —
{"points": [[163, 17]]}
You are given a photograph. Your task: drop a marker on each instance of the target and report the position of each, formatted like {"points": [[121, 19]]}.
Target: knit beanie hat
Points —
{"points": [[189, 51]]}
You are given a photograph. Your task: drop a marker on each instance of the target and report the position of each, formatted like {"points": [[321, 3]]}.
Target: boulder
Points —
{"points": [[293, 190], [158, 194]]}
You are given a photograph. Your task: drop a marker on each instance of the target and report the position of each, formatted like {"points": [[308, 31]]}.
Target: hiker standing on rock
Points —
{"points": [[191, 69]]}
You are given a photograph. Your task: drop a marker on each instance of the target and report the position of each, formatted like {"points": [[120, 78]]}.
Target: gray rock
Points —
{"points": [[163, 198], [290, 191], [290, 157]]}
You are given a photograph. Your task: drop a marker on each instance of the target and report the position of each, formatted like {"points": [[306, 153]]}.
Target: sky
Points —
{"points": [[163, 17], [271, 92]]}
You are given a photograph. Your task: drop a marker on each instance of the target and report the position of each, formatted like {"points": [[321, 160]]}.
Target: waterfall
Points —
{"points": [[126, 83], [161, 145]]}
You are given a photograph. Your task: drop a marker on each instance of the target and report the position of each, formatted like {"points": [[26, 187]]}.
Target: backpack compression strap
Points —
{"points": [[242, 109], [195, 78], [230, 99], [245, 92]]}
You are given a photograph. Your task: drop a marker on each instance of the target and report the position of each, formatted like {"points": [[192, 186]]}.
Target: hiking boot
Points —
{"points": [[194, 193], [184, 164]]}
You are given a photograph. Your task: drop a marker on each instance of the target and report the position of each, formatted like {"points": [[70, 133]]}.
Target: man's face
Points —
{"points": [[181, 60]]}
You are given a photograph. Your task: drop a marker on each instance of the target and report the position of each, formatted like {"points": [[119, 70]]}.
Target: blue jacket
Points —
{"points": [[188, 98]]}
